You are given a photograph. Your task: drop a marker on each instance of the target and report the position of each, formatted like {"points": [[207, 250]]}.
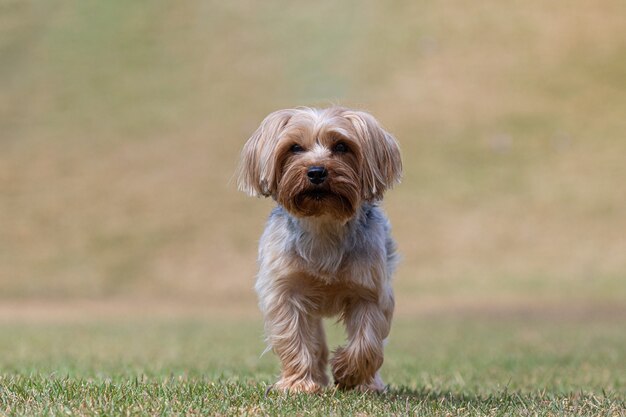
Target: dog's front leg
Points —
{"points": [[297, 337], [356, 365]]}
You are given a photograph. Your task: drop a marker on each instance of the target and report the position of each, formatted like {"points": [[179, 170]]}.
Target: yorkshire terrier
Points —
{"points": [[326, 249]]}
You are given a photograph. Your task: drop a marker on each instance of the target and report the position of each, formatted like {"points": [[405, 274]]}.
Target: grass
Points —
{"points": [[474, 365], [204, 397]]}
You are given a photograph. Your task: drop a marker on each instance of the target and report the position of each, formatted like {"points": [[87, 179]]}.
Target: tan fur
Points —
{"points": [[326, 250]]}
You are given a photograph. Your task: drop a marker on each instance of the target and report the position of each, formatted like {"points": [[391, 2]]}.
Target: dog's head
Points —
{"points": [[317, 162]]}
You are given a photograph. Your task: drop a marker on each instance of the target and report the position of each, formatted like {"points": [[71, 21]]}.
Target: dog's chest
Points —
{"points": [[334, 258], [321, 255], [327, 249]]}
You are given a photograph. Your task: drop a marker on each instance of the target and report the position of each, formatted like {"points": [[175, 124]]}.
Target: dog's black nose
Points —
{"points": [[317, 175]]}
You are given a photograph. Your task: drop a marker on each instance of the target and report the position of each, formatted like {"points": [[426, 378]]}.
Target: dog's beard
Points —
{"points": [[319, 202], [338, 196]]}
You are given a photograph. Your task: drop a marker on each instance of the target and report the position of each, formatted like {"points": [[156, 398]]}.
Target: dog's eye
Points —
{"points": [[341, 148], [295, 148]]}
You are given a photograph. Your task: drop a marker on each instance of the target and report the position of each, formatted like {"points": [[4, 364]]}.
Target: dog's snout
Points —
{"points": [[317, 174]]}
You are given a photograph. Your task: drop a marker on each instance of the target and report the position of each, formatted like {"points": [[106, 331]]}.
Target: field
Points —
{"points": [[127, 255], [522, 365]]}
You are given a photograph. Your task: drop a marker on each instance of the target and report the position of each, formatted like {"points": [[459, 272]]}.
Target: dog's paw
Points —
{"points": [[305, 385], [376, 385], [350, 373], [346, 376]]}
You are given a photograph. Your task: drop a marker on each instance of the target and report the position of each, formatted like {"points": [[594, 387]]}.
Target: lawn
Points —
{"points": [[471, 364]]}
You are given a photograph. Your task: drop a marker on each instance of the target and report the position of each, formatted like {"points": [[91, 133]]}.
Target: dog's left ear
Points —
{"points": [[382, 164], [256, 174]]}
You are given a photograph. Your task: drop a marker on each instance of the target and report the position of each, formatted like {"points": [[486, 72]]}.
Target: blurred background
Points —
{"points": [[121, 124]]}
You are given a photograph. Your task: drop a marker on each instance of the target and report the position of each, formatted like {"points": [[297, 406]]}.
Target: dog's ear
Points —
{"points": [[382, 164], [256, 172]]}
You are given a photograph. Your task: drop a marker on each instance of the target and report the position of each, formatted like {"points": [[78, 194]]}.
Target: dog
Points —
{"points": [[326, 249]]}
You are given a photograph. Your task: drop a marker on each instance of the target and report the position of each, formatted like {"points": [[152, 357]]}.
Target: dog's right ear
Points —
{"points": [[382, 166], [256, 174]]}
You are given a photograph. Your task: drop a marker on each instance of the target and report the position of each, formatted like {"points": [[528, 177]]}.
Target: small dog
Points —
{"points": [[326, 249]]}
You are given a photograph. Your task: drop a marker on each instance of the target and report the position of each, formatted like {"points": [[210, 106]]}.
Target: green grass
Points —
{"points": [[198, 396], [434, 366]]}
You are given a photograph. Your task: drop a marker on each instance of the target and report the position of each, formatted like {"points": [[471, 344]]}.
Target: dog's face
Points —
{"points": [[320, 162]]}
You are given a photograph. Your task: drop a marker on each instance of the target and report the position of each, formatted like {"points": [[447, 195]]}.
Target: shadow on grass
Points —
{"points": [[505, 399], [427, 401], [449, 397]]}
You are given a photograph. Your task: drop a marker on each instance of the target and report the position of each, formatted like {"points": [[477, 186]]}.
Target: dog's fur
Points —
{"points": [[326, 249]]}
